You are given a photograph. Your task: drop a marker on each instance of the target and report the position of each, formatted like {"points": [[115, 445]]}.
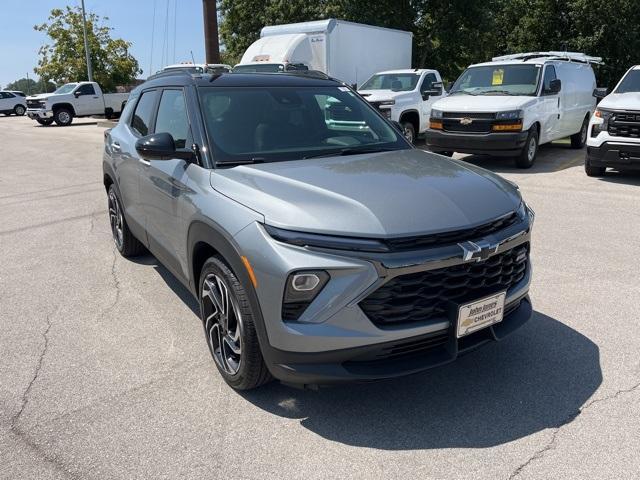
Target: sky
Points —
{"points": [[132, 20]]}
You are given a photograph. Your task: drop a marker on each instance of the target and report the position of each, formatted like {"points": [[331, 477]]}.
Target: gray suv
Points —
{"points": [[322, 247]]}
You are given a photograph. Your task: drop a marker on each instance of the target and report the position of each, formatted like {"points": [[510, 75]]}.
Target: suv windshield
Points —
{"points": [[498, 80], [66, 88], [630, 82], [398, 82], [266, 124]]}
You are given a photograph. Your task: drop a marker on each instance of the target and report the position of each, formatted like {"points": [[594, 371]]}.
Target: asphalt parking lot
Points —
{"points": [[104, 371]]}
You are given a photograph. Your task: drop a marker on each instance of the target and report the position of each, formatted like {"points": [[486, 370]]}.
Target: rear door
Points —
{"points": [[551, 107], [163, 183], [88, 101]]}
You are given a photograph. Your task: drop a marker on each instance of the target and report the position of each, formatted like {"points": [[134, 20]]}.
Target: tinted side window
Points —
{"points": [[87, 89], [172, 117], [428, 79], [141, 121], [549, 75]]}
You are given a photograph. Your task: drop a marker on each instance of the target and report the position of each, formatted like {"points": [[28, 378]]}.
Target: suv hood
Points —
{"points": [[405, 192], [621, 101], [482, 103]]}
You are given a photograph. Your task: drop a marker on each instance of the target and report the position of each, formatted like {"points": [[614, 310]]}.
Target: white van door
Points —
{"points": [[427, 99], [551, 107]]}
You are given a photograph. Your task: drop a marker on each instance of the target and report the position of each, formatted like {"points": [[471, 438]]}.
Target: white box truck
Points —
{"points": [[348, 51]]}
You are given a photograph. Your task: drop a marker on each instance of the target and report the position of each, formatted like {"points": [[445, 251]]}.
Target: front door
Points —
{"points": [[163, 183], [427, 99], [88, 102], [551, 108]]}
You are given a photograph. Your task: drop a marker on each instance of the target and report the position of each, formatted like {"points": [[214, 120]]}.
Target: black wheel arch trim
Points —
{"points": [[68, 106]]}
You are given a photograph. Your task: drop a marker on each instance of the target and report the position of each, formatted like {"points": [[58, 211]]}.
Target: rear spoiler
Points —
{"points": [[552, 55]]}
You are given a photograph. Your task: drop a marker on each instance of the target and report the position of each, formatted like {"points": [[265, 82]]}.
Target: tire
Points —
{"points": [[19, 110], [529, 152], [592, 171], [126, 243], [579, 139], [63, 117], [231, 337], [45, 122], [409, 131]]}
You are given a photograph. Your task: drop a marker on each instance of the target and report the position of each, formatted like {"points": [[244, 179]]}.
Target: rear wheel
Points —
{"points": [[528, 155], [45, 122], [579, 139], [63, 117], [19, 110], [229, 327], [126, 243], [409, 131]]}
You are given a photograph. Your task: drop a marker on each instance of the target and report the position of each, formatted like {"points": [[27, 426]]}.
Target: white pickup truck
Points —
{"points": [[81, 99], [405, 96], [614, 129]]}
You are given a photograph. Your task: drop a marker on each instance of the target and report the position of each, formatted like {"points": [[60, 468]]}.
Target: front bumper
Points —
{"points": [[618, 155], [495, 144], [334, 341], [34, 113]]}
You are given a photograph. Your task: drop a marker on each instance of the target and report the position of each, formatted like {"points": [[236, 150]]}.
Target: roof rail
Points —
{"points": [[308, 73], [171, 72], [551, 55]]}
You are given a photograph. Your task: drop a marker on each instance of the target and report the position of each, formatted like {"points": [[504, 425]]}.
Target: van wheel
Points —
{"points": [[528, 155], [229, 327], [579, 139], [45, 122], [19, 110], [409, 131], [63, 117]]}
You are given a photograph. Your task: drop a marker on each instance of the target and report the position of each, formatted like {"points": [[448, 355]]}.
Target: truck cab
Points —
{"points": [[514, 103], [614, 129], [77, 99], [405, 96]]}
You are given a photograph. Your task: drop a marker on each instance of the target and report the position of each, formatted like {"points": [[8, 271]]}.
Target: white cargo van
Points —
{"points": [[614, 130], [347, 51], [513, 104], [405, 96]]}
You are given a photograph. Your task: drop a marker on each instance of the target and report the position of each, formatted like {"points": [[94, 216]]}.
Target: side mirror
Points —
{"points": [[161, 146], [434, 89], [555, 86], [77, 93], [600, 93]]}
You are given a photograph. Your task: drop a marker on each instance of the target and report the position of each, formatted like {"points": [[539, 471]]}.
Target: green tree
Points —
{"points": [[30, 86], [63, 60]]}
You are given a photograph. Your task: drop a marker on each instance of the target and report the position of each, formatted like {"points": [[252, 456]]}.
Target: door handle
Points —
{"points": [[116, 146]]}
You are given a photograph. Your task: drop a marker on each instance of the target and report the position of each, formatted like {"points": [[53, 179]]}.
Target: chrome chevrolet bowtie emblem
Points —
{"points": [[466, 121], [475, 252]]}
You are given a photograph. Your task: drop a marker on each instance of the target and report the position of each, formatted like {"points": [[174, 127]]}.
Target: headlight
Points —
{"points": [[436, 113], [303, 239], [387, 102], [525, 211], [510, 115], [600, 121]]}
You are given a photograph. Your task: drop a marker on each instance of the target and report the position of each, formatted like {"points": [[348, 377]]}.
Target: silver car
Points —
{"points": [[322, 246]]}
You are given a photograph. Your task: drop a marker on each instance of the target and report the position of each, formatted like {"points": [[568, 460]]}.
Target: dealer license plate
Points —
{"points": [[480, 314]]}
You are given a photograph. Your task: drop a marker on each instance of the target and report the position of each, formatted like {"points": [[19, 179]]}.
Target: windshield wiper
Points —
{"points": [[503, 92], [463, 91], [349, 151], [235, 163]]}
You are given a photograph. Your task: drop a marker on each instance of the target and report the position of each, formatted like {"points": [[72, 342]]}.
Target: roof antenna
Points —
{"points": [[193, 60]]}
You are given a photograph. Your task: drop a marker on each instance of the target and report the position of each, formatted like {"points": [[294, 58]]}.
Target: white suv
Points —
{"points": [[405, 96], [11, 103], [614, 129]]}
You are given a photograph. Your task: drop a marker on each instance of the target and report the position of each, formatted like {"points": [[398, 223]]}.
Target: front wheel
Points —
{"points": [[579, 139], [592, 171], [19, 110], [63, 117], [45, 122], [528, 155], [409, 131], [229, 327]]}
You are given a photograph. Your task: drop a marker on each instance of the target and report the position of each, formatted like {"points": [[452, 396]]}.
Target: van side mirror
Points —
{"points": [[161, 146], [600, 93], [555, 86]]}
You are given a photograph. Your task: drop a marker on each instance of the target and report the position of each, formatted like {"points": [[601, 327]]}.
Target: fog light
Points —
{"points": [[303, 282]]}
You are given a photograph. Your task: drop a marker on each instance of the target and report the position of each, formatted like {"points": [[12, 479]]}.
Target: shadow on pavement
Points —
{"points": [[536, 379], [627, 178]]}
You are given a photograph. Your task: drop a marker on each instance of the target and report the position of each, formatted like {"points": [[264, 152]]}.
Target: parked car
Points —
{"points": [[199, 67], [351, 52], [614, 130], [515, 103], [405, 96], [18, 92], [12, 104], [319, 254], [71, 100]]}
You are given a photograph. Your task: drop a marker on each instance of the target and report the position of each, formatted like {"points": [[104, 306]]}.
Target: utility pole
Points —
{"points": [[211, 43], [86, 44], [28, 85]]}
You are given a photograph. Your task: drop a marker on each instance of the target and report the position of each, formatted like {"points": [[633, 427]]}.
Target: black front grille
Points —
{"points": [[475, 115], [424, 296], [625, 125], [448, 238], [469, 122], [33, 103]]}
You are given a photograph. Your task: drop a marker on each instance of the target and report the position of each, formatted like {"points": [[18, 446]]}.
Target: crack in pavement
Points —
{"points": [[551, 444], [47, 224], [116, 283]]}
